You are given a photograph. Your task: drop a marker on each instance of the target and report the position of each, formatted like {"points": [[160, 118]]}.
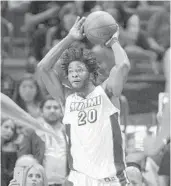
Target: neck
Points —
{"points": [[83, 92], [56, 125], [30, 103]]}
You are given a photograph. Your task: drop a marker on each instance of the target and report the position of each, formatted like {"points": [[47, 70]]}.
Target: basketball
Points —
{"points": [[99, 27]]}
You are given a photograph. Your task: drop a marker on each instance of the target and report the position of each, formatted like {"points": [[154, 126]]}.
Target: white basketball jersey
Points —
{"points": [[94, 135]]}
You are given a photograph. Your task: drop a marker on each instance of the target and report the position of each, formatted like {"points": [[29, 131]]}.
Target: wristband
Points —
{"points": [[114, 40]]}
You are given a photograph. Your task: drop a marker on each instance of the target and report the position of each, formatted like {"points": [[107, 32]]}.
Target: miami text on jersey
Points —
{"points": [[86, 103]]}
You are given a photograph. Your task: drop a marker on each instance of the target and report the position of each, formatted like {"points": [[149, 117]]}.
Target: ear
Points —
{"points": [[92, 77]]}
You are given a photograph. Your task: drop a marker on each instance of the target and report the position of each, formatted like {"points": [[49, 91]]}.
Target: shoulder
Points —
{"points": [[69, 94], [114, 99], [30, 133]]}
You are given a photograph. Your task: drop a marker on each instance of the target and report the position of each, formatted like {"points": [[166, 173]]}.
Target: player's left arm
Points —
{"points": [[119, 73], [11, 109]]}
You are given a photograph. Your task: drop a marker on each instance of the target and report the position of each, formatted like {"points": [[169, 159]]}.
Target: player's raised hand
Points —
{"points": [[77, 30], [13, 183]]}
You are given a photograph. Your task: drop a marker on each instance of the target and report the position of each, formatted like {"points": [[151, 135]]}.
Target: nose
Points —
{"points": [[52, 110], [27, 89], [74, 74], [10, 130], [34, 179]]}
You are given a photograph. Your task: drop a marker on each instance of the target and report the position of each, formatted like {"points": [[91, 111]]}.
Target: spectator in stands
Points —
{"points": [[32, 144], [28, 95], [137, 43], [87, 6], [164, 168], [56, 33], [37, 20], [150, 173], [154, 145], [7, 85], [53, 152], [33, 175], [7, 29], [25, 161], [8, 149], [159, 30], [66, 18], [134, 174]]}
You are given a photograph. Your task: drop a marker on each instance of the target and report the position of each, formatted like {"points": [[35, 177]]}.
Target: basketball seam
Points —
{"points": [[96, 18], [96, 37], [89, 34], [100, 27]]}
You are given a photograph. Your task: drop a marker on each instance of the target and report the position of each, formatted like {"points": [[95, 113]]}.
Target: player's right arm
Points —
{"points": [[46, 66], [46, 70], [119, 73]]}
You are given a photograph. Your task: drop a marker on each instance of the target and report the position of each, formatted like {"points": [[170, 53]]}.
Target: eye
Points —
{"points": [[38, 176], [56, 108], [80, 70], [6, 127], [70, 71], [48, 107], [30, 175]]}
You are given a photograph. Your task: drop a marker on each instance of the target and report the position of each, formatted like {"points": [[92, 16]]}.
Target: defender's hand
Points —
{"points": [[13, 182], [77, 29], [113, 39]]}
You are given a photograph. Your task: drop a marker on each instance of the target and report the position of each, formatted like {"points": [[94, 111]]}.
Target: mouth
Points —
{"points": [[76, 83], [34, 184], [7, 137]]}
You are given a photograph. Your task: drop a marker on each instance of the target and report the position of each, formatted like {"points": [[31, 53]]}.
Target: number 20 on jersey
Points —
{"points": [[90, 117]]}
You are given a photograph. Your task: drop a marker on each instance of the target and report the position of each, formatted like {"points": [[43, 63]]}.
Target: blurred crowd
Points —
{"points": [[144, 34]]}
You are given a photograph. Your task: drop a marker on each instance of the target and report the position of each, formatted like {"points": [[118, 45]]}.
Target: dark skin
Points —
{"points": [[113, 86]]}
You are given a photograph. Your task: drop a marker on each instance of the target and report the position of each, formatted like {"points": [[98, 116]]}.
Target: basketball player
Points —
{"points": [[92, 113]]}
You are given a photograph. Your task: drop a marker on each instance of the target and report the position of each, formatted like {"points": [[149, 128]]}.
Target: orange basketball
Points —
{"points": [[99, 27]]}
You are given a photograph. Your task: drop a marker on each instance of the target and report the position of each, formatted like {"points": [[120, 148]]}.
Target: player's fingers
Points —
{"points": [[82, 28], [81, 21], [77, 19], [13, 180]]}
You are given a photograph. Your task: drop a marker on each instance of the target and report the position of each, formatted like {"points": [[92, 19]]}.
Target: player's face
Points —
{"points": [[34, 178], [78, 75], [27, 90], [7, 129], [52, 111]]}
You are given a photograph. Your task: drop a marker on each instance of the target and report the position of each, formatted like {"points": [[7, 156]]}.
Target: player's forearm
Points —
{"points": [[121, 57], [54, 54], [11, 109]]}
